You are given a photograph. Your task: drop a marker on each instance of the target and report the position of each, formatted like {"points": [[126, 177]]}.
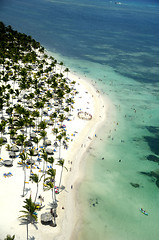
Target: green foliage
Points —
{"points": [[9, 237], [42, 125], [23, 156], [61, 163], [51, 160], [51, 176], [30, 210], [1, 141], [35, 178]]}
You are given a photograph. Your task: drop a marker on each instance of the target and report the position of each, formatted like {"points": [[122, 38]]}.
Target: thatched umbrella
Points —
{"points": [[30, 161], [46, 217], [49, 150], [51, 123], [35, 153], [47, 142], [14, 148], [33, 135], [28, 144], [8, 163], [12, 154]]}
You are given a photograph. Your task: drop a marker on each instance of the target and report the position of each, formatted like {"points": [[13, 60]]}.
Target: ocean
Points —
{"points": [[116, 46]]}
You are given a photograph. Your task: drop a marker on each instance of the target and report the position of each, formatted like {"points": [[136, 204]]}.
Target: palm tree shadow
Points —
{"points": [[31, 238], [1, 164], [24, 221], [26, 191]]}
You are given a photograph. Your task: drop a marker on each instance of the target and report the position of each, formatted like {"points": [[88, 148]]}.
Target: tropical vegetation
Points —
{"points": [[35, 100]]}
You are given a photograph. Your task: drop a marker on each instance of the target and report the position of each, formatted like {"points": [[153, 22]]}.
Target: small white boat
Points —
{"points": [[143, 211]]}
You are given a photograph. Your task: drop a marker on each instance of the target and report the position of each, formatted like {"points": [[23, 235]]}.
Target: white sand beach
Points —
{"points": [[88, 100], [81, 132]]}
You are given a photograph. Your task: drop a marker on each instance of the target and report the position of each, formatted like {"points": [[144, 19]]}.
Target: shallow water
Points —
{"points": [[117, 47]]}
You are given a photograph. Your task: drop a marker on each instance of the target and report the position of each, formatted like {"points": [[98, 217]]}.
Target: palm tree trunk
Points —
{"points": [[44, 172], [61, 177], [36, 192], [55, 217], [27, 230], [24, 179], [53, 189], [60, 150]]}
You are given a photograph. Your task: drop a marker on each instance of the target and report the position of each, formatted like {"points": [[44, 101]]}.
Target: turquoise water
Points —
{"points": [[117, 47]]}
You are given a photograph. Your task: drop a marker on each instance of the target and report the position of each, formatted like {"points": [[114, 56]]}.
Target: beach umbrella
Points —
{"points": [[14, 148], [47, 142], [32, 135], [12, 154], [50, 123], [30, 161], [49, 150], [7, 163], [35, 153], [46, 217], [28, 144]]}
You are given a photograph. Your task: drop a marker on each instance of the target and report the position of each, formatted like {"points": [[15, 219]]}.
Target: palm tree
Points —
{"points": [[12, 134], [2, 126], [42, 125], [39, 105], [59, 137], [30, 214], [51, 186], [51, 161], [20, 123], [37, 140], [52, 173], [24, 156], [30, 123], [10, 121], [61, 64], [55, 131], [8, 147], [20, 140], [61, 163], [36, 179], [67, 70], [53, 117], [31, 154], [36, 114], [43, 134], [9, 237], [61, 118], [1, 143]]}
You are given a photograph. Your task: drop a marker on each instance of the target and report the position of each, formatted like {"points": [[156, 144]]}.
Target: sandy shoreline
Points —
{"points": [[82, 132], [79, 147]]}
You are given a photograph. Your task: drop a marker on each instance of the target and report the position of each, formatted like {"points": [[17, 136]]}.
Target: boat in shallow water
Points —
{"points": [[143, 211]]}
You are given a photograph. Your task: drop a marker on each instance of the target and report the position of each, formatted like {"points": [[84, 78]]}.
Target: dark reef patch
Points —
{"points": [[153, 143], [153, 158], [135, 185], [153, 174]]}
